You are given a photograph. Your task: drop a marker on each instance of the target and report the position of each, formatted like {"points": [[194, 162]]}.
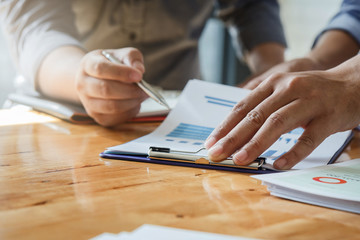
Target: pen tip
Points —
{"points": [[167, 106]]}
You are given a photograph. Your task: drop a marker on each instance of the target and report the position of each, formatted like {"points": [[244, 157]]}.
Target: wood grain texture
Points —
{"points": [[54, 186]]}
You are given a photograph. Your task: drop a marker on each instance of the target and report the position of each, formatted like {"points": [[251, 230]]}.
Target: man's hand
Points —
{"points": [[332, 48], [107, 90], [296, 65], [322, 102]]}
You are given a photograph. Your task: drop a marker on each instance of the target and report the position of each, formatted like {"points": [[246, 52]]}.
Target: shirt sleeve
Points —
{"points": [[253, 22], [347, 20], [33, 28]]}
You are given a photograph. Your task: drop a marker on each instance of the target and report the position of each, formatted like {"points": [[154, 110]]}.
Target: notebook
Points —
{"points": [[149, 111]]}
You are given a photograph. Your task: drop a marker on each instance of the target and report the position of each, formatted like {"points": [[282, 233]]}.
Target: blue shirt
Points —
{"points": [[347, 20], [253, 21]]}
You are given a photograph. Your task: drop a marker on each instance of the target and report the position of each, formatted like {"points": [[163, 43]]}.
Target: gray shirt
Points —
{"points": [[165, 31]]}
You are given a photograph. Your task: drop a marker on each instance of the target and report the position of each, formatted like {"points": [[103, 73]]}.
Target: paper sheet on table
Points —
{"points": [[154, 232], [201, 107], [335, 186]]}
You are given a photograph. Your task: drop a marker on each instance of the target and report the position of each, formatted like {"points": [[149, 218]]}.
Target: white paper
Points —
{"points": [[151, 108], [204, 105], [336, 185], [154, 232], [105, 236]]}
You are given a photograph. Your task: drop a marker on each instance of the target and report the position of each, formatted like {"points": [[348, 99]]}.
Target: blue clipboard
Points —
{"points": [[261, 170], [138, 158]]}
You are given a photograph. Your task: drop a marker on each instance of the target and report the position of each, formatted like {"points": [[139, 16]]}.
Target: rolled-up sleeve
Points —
{"points": [[33, 28], [254, 21], [347, 20]]}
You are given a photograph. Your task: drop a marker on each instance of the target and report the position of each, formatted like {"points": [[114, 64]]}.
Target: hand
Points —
{"points": [[322, 102], [296, 65], [107, 90]]}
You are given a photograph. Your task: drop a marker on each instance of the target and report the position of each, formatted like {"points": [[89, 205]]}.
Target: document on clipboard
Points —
{"points": [[179, 140]]}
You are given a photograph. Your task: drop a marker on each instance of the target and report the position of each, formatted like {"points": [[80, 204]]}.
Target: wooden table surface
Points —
{"points": [[54, 185]]}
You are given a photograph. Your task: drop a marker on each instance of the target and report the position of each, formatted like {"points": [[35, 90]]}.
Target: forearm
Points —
{"points": [[261, 38], [33, 28], [333, 48], [56, 76], [264, 56]]}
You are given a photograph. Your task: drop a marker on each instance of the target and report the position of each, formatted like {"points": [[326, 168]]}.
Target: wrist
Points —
{"points": [[307, 63], [347, 71], [333, 48], [316, 62], [264, 56], [57, 74]]}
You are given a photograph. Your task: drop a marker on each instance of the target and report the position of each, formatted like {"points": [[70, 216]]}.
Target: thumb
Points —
{"points": [[134, 59], [139, 65]]}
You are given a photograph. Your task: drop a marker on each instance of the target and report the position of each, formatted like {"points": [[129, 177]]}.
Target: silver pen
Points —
{"points": [[147, 88]]}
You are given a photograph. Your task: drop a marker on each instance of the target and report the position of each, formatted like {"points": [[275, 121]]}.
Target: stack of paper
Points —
{"points": [[153, 232], [334, 186]]}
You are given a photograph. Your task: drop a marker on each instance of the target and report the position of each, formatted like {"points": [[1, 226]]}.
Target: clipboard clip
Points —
{"points": [[168, 150], [167, 154]]}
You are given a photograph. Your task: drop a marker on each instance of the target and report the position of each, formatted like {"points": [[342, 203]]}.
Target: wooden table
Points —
{"points": [[54, 186]]}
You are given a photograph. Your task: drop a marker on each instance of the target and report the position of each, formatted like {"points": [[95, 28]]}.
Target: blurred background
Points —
{"points": [[302, 20]]}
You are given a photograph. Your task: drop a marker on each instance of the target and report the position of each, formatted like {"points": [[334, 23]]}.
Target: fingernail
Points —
{"points": [[280, 163], [135, 76], [209, 142], [139, 66], [215, 152], [240, 157]]}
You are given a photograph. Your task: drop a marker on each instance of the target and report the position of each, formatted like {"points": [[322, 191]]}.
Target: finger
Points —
{"points": [[282, 121], [255, 81], [243, 132], [245, 82], [111, 120], [131, 57], [240, 110], [102, 106], [314, 134], [252, 84], [96, 65], [110, 89]]}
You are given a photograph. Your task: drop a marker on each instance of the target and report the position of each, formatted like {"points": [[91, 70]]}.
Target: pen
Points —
{"points": [[150, 91]]}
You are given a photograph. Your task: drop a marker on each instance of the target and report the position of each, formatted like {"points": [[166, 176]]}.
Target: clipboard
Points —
{"points": [[161, 155], [192, 120], [189, 160]]}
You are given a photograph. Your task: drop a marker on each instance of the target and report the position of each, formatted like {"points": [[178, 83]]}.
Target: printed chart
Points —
{"points": [[196, 135], [190, 132], [220, 101]]}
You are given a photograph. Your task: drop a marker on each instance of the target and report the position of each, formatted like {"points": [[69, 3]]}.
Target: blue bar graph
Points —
{"points": [[279, 156], [190, 131], [220, 101], [297, 131], [268, 153]]}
